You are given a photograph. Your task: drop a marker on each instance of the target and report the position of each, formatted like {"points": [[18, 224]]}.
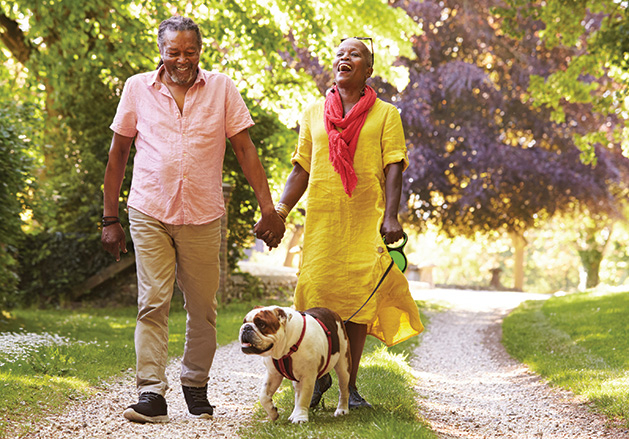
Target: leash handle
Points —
{"points": [[397, 247], [373, 292], [397, 253]]}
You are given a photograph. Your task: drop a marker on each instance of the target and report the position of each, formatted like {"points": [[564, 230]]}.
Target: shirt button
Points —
{"points": [[380, 250]]}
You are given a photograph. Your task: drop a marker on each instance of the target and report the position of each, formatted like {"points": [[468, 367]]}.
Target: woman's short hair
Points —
{"points": [[178, 23]]}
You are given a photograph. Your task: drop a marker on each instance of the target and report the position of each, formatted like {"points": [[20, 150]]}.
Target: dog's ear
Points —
{"points": [[281, 315]]}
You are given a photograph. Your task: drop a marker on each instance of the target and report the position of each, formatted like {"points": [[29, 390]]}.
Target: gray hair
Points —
{"points": [[179, 24]]}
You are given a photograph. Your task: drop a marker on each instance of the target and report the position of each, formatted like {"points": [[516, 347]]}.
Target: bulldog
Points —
{"points": [[301, 347]]}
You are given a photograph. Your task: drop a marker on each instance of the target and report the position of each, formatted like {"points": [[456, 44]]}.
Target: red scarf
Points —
{"points": [[343, 145]]}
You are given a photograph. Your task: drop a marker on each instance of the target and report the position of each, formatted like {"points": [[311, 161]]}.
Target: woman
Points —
{"points": [[350, 157]]}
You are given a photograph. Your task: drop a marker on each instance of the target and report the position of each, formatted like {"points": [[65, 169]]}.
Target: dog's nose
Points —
{"points": [[247, 328]]}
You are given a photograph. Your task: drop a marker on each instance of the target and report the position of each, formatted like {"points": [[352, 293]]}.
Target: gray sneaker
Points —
{"points": [[150, 408], [355, 400], [321, 385]]}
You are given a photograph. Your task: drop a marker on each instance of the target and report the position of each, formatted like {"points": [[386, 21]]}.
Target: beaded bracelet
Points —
{"points": [[109, 220]]}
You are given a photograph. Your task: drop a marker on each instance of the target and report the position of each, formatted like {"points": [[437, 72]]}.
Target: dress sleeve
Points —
{"points": [[393, 143], [303, 151], [125, 120]]}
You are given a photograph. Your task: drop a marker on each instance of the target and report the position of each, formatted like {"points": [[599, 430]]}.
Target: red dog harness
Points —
{"points": [[285, 364]]}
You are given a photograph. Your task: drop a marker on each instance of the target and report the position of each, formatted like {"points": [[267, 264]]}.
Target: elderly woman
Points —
{"points": [[350, 156]]}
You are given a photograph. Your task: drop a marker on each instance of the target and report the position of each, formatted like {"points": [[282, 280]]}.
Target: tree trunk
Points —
{"points": [[14, 39], [519, 244], [594, 235], [591, 261]]}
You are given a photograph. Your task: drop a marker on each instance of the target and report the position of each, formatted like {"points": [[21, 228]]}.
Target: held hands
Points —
{"points": [[114, 240], [270, 229], [392, 230]]}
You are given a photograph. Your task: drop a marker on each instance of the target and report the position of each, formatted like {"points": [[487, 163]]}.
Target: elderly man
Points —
{"points": [[179, 116]]}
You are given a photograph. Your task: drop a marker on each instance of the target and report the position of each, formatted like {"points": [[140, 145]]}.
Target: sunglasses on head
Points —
{"points": [[363, 39]]}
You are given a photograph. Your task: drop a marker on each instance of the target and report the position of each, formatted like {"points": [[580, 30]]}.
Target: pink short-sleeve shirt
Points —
{"points": [[177, 170]]}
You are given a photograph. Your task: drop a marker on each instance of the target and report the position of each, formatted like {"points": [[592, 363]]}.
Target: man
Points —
{"points": [[179, 116]]}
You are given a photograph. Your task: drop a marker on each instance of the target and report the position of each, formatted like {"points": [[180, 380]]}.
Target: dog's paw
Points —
{"points": [[298, 418], [341, 412], [273, 414]]}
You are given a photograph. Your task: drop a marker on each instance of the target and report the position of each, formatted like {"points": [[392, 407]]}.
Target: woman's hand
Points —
{"points": [[392, 230]]}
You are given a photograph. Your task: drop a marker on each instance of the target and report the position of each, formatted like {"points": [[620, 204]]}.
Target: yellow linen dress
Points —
{"points": [[344, 256]]}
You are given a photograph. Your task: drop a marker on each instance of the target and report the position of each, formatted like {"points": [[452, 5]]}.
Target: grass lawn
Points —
{"points": [[50, 357], [579, 342]]}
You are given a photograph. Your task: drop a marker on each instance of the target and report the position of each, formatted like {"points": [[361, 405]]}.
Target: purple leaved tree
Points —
{"points": [[483, 158]]}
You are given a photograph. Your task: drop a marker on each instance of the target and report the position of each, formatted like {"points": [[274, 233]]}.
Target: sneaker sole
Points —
{"points": [[360, 406], [201, 416], [134, 416]]}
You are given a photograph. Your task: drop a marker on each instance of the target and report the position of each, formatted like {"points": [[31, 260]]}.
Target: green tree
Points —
{"points": [[596, 33]]}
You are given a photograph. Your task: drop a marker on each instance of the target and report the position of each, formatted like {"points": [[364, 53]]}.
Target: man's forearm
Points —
{"points": [[114, 174], [252, 169], [255, 175]]}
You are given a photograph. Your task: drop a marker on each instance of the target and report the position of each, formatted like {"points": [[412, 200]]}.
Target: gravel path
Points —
{"points": [[468, 387], [233, 389]]}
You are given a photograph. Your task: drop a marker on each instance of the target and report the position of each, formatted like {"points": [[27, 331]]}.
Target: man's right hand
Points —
{"points": [[270, 229], [114, 240]]}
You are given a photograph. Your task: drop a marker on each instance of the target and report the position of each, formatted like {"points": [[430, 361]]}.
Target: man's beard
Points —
{"points": [[182, 78]]}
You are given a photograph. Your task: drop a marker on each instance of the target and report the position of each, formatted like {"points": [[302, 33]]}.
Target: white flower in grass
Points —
{"points": [[15, 345]]}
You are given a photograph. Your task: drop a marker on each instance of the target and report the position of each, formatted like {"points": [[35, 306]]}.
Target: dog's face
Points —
{"points": [[261, 329]]}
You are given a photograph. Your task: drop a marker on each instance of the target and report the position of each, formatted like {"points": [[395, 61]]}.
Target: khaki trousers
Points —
{"points": [[189, 253]]}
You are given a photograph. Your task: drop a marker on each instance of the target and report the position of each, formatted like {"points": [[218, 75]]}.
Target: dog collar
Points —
{"points": [[284, 365]]}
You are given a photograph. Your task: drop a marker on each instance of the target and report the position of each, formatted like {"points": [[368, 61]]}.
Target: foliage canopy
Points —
{"points": [[70, 58], [594, 34], [498, 103]]}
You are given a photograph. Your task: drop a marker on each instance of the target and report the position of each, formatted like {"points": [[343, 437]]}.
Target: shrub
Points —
{"points": [[51, 264], [16, 164]]}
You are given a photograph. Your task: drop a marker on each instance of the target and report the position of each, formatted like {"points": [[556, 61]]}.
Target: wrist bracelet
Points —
{"points": [[282, 210], [109, 220]]}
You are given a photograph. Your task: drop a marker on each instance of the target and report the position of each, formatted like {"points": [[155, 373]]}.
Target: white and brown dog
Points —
{"points": [[301, 347]]}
